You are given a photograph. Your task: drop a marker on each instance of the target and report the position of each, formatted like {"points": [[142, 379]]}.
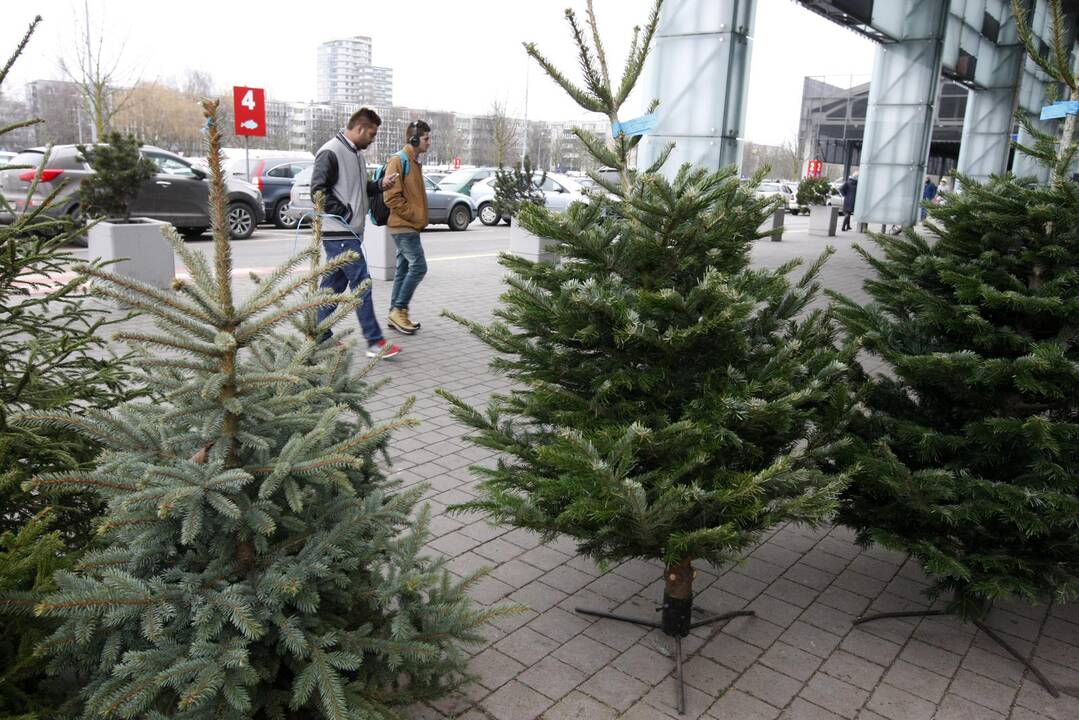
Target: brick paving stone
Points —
{"points": [[707, 675], [639, 571], [538, 596], [526, 645], [832, 693], [982, 690], [578, 706], [838, 622], [567, 579], [618, 635], [790, 661], [916, 680], [663, 702], [493, 669], [544, 558], [811, 639], [958, 708], [870, 647], [810, 576], [897, 704], [515, 572], [740, 705], [741, 585], [614, 688], [803, 710], [760, 570], [497, 550], [1001, 668], [775, 610], [483, 531], [489, 590], [552, 678], [773, 687], [644, 664], [932, 658], [792, 592], [1021, 713], [614, 587], [731, 652], [1034, 697], [861, 584], [853, 669], [585, 654], [516, 701], [873, 568], [560, 625]]}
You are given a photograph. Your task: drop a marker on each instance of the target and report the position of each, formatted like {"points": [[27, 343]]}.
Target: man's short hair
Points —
{"points": [[416, 127], [366, 116]]}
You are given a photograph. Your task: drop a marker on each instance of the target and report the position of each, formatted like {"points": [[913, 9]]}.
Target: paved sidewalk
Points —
{"points": [[799, 658]]}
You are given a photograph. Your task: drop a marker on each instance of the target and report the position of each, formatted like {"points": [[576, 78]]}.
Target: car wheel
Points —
{"points": [[241, 220], [191, 233], [77, 220], [794, 212], [280, 217], [488, 214], [460, 217], [507, 218]]}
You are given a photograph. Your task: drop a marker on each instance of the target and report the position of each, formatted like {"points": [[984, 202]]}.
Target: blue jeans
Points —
{"points": [[411, 267], [350, 276]]}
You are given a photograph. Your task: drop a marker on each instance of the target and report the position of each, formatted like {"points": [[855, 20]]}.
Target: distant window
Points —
{"points": [[966, 65], [171, 166], [990, 27], [281, 171]]}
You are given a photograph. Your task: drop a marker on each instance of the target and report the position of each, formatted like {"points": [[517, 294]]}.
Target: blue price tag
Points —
{"points": [[1059, 109], [636, 126]]}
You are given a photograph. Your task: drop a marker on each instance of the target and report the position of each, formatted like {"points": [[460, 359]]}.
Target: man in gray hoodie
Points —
{"points": [[340, 174]]}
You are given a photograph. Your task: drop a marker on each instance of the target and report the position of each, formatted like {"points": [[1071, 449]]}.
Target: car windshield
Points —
{"points": [[27, 157], [458, 177], [304, 178]]}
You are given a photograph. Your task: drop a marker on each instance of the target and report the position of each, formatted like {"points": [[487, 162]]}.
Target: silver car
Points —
{"points": [[443, 207], [178, 193], [559, 191]]}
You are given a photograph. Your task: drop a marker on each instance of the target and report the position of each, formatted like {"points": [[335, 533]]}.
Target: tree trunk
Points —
{"points": [[678, 598]]}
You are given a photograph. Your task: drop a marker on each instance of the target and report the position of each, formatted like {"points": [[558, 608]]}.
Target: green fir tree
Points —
{"points": [[51, 359], [969, 445], [517, 186], [120, 171], [671, 401], [256, 562]]}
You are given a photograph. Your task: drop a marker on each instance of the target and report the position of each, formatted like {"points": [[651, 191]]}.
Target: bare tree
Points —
{"points": [[504, 131], [94, 70], [163, 116], [198, 84]]}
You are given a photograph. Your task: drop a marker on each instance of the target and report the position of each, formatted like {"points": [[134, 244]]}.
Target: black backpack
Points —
{"points": [[380, 212]]}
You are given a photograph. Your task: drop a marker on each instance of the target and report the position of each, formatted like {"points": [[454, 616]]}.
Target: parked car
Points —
{"points": [[274, 180], [461, 181], [558, 192], [443, 207], [179, 193], [5, 157], [776, 188], [834, 196]]}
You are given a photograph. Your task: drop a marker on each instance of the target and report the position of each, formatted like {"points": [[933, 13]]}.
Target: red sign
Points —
{"points": [[814, 168], [456, 163], [249, 109]]}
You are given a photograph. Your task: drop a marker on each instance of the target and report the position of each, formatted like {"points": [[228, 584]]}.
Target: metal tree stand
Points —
{"points": [[981, 626], [676, 622]]}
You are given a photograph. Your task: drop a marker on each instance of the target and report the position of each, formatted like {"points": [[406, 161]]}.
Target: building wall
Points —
{"points": [[345, 74]]}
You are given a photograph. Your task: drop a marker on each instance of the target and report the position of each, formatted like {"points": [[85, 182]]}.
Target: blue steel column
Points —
{"points": [[699, 71], [899, 120], [990, 115]]}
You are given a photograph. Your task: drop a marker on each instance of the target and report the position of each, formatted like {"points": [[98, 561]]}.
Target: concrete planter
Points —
{"points": [[531, 247], [379, 251], [773, 225], [822, 220], [147, 255]]}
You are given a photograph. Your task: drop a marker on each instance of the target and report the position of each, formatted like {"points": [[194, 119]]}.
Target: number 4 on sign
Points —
{"points": [[248, 100]]}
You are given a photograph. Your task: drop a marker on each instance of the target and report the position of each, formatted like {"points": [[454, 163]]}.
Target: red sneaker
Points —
{"points": [[382, 349]]}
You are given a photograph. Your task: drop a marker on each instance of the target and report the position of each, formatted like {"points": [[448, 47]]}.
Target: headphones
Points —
{"points": [[414, 138]]}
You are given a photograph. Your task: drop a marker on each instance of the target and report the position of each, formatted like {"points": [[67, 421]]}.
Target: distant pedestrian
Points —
{"points": [[929, 193], [340, 174], [849, 190], [407, 202]]}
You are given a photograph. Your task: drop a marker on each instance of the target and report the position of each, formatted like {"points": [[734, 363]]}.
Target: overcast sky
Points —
{"points": [[457, 55]]}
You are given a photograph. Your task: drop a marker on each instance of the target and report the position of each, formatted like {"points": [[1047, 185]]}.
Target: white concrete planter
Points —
{"points": [[822, 220], [773, 225], [379, 251], [147, 255], [531, 247]]}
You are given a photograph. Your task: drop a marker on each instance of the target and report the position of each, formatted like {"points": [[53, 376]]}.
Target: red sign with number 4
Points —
{"points": [[249, 109]]}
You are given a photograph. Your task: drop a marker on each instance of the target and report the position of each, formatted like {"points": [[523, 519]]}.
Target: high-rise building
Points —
{"points": [[346, 75]]}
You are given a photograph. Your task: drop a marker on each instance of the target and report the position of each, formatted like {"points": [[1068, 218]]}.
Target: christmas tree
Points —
{"points": [[256, 563], [50, 360], [516, 186], [969, 446], [672, 402]]}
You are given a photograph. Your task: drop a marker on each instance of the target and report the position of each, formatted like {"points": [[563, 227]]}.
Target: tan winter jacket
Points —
{"points": [[407, 200]]}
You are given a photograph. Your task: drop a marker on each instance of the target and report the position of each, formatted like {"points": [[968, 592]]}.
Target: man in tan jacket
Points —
{"points": [[407, 201]]}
